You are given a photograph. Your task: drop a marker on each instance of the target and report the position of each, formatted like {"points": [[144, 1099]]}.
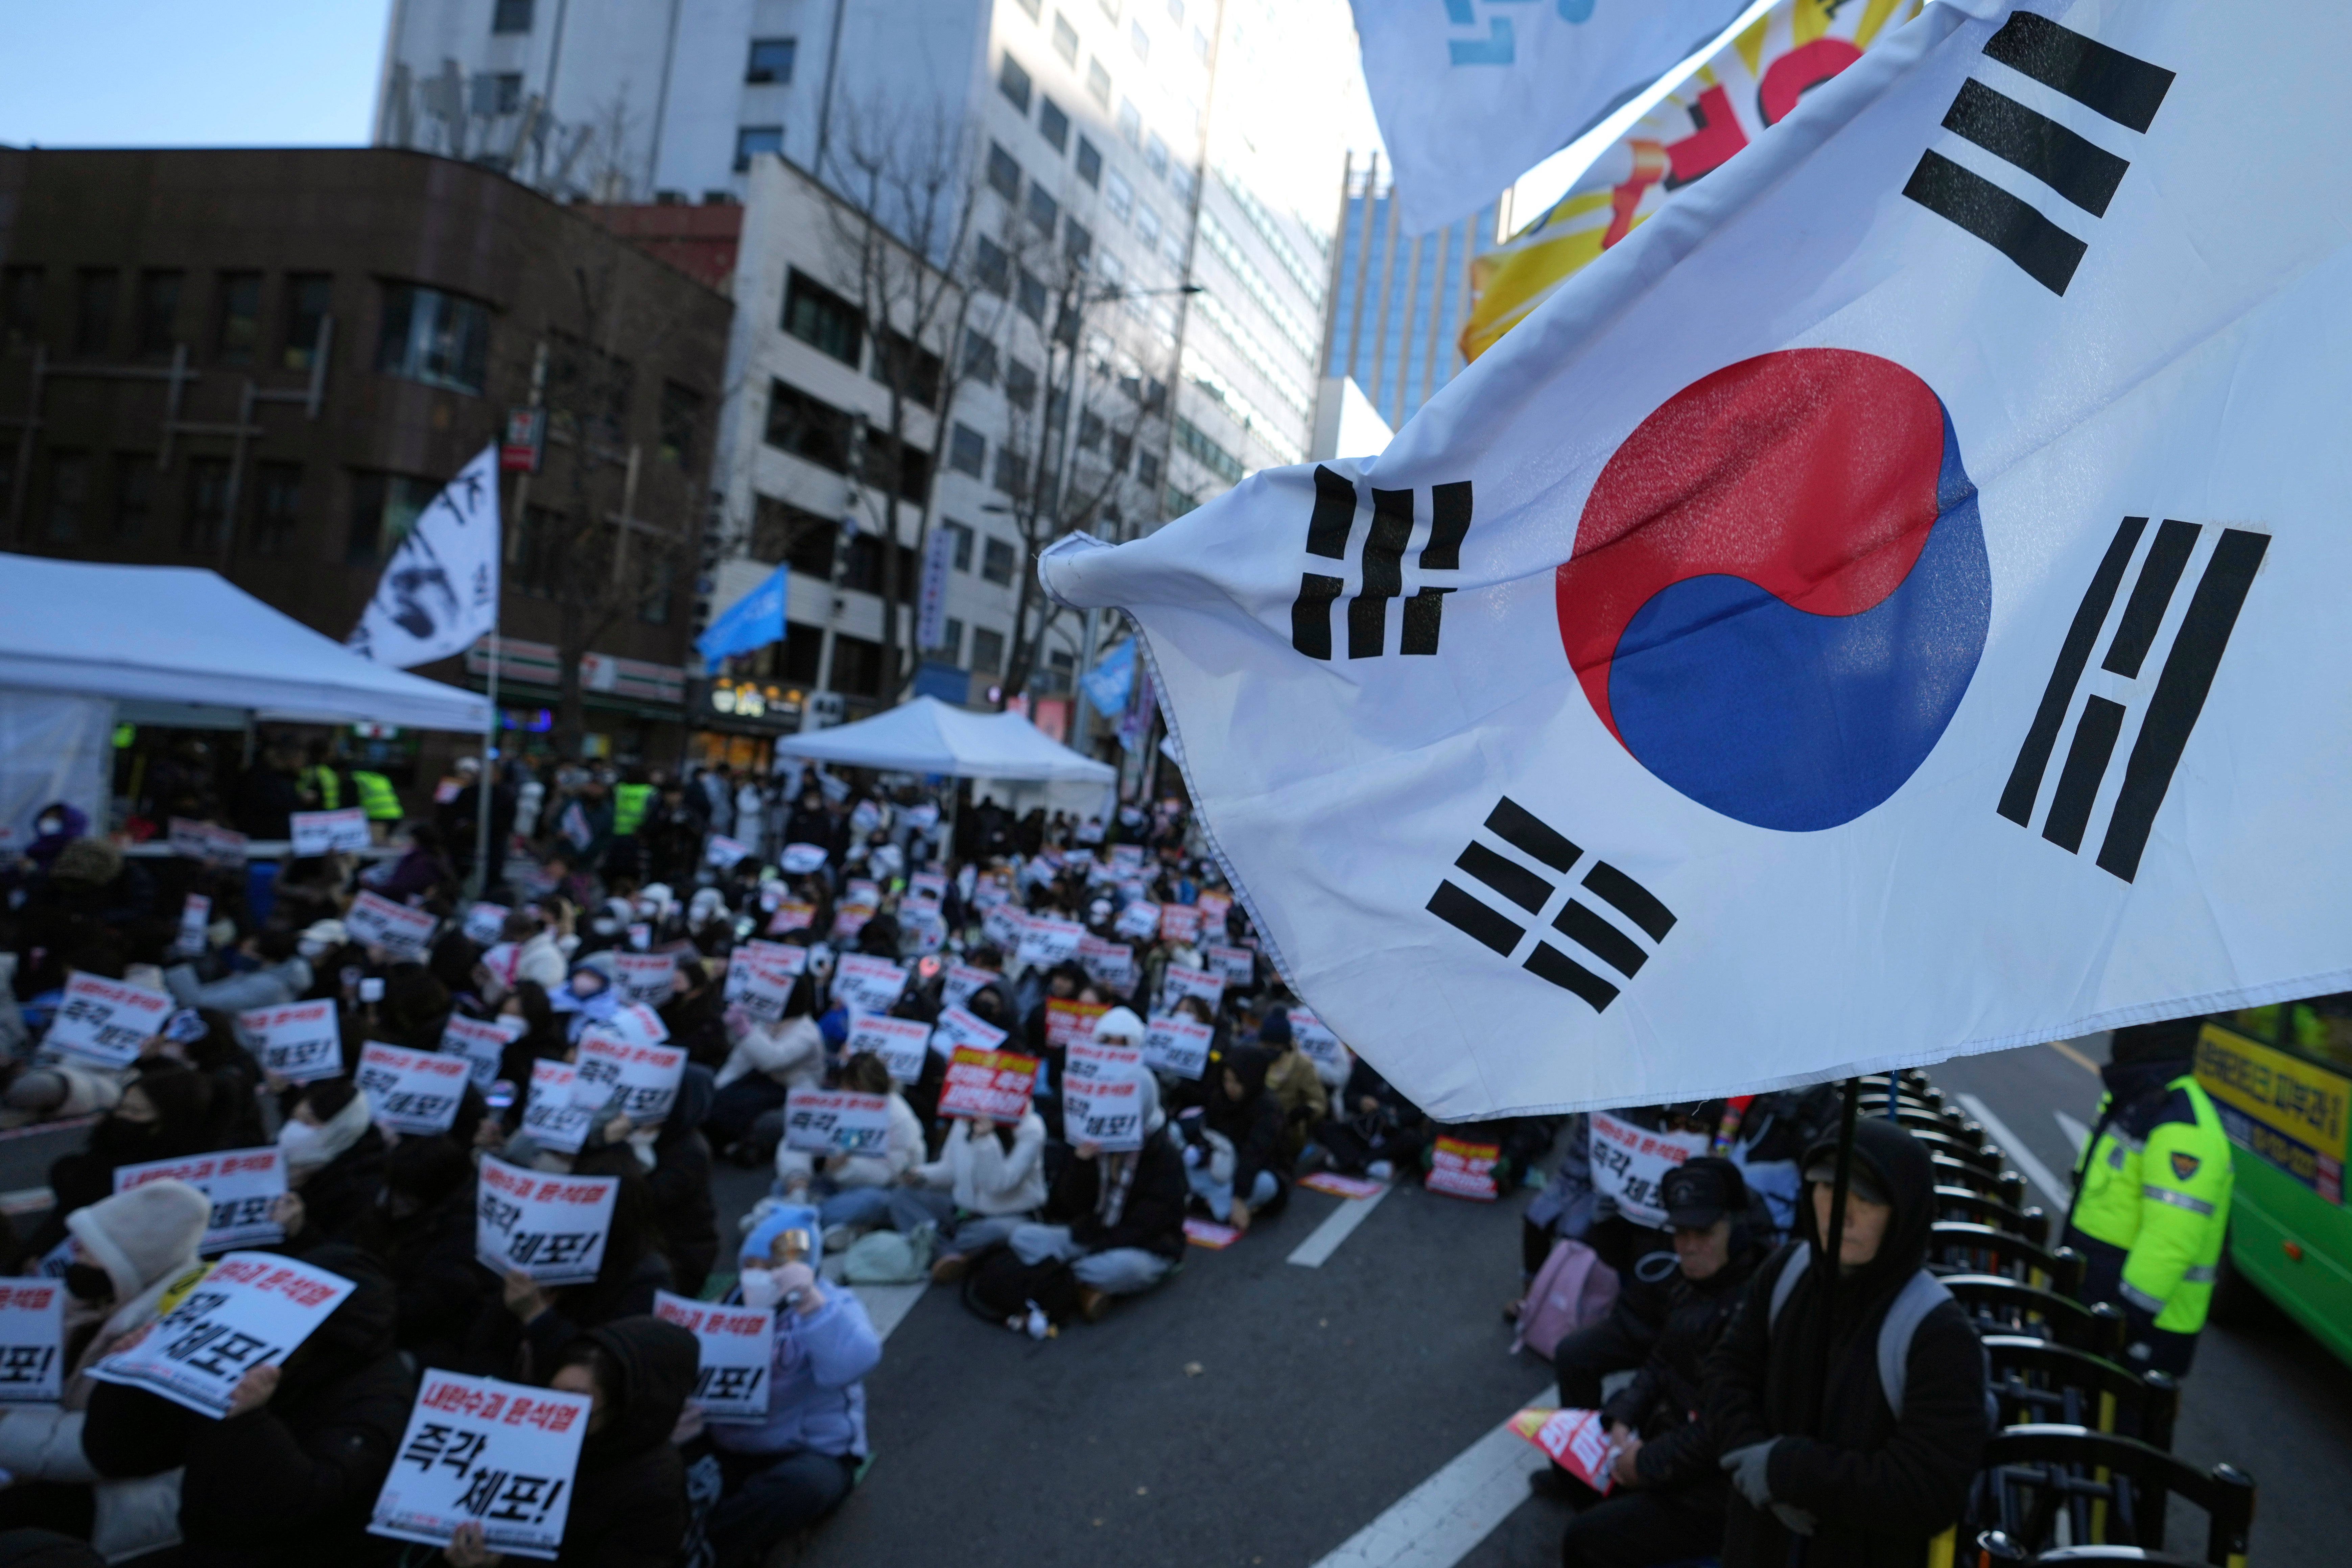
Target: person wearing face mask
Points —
{"points": [[166, 1112], [423, 1229], [519, 1334], [334, 1164], [678, 1181], [788, 1470], [628, 1496], [1118, 1220], [766, 1062], [57, 823], [129, 1252], [326, 946], [541, 1041], [853, 1190], [1879, 1472], [266, 970]]}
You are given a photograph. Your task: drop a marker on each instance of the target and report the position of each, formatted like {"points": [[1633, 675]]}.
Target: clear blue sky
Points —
{"points": [[189, 73]]}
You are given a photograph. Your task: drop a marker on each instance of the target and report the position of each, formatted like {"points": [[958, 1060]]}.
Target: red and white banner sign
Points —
{"points": [[403, 933], [482, 1043], [647, 978], [837, 1122], [412, 1091], [899, 1042], [958, 1029], [106, 1021], [993, 1085], [552, 1228], [1630, 1165], [478, 1452], [244, 1185], [735, 1345], [324, 832], [640, 1081], [1067, 1021], [1173, 1043], [867, 983], [252, 1308], [552, 1117], [1464, 1169], [301, 1041]]}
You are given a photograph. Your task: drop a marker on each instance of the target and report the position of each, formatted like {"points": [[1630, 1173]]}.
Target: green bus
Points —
{"points": [[2281, 1076]]}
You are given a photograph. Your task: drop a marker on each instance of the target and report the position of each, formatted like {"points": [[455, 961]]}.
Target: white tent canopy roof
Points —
{"points": [[183, 634], [926, 735]]}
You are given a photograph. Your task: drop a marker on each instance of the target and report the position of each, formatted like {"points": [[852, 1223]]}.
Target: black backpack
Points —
{"points": [[1000, 1286]]}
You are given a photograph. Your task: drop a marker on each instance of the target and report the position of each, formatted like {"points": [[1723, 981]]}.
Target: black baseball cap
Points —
{"points": [[1699, 1192], [1860, 1179]]}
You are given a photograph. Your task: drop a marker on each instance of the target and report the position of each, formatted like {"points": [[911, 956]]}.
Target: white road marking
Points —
{"points": [[889, 1305], [1437, 1523], [26, 1200], [2018, 1154], [1326, 1238], [2077, 1134]]}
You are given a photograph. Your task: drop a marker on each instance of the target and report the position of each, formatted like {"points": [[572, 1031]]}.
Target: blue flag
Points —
{"points": [[752, 622], [1106, 685]]}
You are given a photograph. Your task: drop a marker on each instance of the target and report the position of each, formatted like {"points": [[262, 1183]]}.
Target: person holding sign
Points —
{"points": [[1117, 1220], [268, 971], [334, 1164], [766, 1063], [988, 1180], [854, 1189], [1290, 1074], [541, 1320], [1245, 1112], [165, 1113]]}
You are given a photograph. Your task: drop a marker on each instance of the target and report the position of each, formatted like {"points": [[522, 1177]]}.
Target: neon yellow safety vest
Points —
{"points": [[630, 803], [378, 798], [327, 783], [2164, 1198]]}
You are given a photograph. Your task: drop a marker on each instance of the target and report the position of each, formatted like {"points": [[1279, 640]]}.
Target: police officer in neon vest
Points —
{"points": [[379, 800], [2152, 1194]]}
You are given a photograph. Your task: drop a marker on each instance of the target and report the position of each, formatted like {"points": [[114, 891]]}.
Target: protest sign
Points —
{"points": [[300, 1041], [1109, 963], [1046, 941], [242, 1183], [957, 1028], [551, 1118], [761, 983], [923, 818], [1139, 920], [640, 1081], [482, 1043], [962, 980], [791, 916], [1179, 922], [32, 1332], [1173, 1043], [836, 1122], [922, 929], [404, 934], [927, 887], [1322, 1046], [203, 841], [106, 1021], [1003, 924], [412, 1091], [1464, 1169], [1104, 1111], [899, 1042], [1067, 1021], [1339, 1186], [799, 859], [575, 826], [1180, 982], [195, 914], [1234, 965], [499, 1455], [863, 818], [1091, 1063], [867, 983], [990, 895], [484, 923], [991, 1085], [733, 1345], [252, 1308], [637, 1023], [1127, 857], [552, 1228], [848, 920], [1630, 1165], [862, 891], [641, 934], [646, 977], [324, 832], [1576, 1440], [723, 852], [1208, 1233]]}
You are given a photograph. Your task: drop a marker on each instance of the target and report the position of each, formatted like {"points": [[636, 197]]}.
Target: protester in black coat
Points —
{"points": [[520, 1334], [1152, 1218], [680, 1183], [339, 1193], [423, 1231], [165, 1113], [628, 1506], [1873, 1487], [288, 1476]]}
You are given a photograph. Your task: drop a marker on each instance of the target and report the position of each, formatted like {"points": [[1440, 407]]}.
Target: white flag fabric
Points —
{"points": [[440, 589], [1885, 609], [1470, 94]]}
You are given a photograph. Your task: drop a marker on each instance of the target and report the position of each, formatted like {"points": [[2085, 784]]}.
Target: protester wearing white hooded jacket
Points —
{"points": [[129, 1252], [855, 1189]]}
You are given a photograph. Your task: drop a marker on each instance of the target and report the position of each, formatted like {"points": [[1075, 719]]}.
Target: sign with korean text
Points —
{"points": [[723, 852], [1090, 1063], [403, 933], [106, 1021], [1179, 922], [958, 1029], [486, 923], [300, 1041], [325, 832], [203, 841], [962, 981], [252, 1308], [991, 1085], [1576, 1440], [412, 1091], [551, 1118], [552, 1228], [1002, 925], [761, 982], [899, 1042], [1234, 965], [1139, 920], [32, 1335], [1177, 1044], [1629, 1163], [1180, 982], [792, 915], [836, 1122], [646, 977], [480, 1451], [1110, 963], [928, 887], [243, 1186], [1045, 941], [799, 859], [867, 983], [637, 1023], [1067, 1021], [640, 1081], [1212, 907], [735, 1346], [482, 1043], [1322, 1046], [1104, 1111], [2292, 1112], [1464, 1169], [195, 916]]}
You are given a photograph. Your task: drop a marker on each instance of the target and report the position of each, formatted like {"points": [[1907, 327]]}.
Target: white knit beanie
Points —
{"points": [[140, 1236], [1119, 1026]]}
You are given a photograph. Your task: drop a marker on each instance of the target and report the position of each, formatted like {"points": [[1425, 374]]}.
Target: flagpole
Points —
{"points": [[489, 753]]}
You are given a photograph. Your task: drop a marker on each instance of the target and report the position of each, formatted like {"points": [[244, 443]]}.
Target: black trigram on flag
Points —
{"points": [[2166, 715], [2125, 90], [1580, 919], [1382, 563]]}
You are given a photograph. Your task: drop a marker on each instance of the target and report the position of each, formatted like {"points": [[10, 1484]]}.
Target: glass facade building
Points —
{"points": [[1397, 301]]}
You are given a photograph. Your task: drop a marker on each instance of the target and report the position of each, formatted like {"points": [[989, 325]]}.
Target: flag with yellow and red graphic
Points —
{"points": [[1750, 84]]}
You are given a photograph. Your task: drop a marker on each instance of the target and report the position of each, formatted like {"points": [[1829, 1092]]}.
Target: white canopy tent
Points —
{"points": [[928, 735]]}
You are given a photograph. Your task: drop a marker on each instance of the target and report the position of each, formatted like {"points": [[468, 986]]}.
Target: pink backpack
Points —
{"points": [[1573, 1289]]}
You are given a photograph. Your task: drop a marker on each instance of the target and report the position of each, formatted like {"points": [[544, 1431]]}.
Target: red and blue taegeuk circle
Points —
{"points": [[1778, 592]]}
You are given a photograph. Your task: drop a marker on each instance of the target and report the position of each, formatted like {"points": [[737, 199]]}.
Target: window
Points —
{"points": [[771, 60], [910, 475], [951, 640], [1060, 667], [1147, 468], [1098, 82], [1089, 162], [1117, 195], [276, 506], [1043, 210], [1155, 154], [587, 386], [511, 17], [753, 139], [808, 428], [20, 305], [1077, 243], [804, 650], [779, 529], [1155, 394], [309, 295], [987, 650], [1013, 83], [1003, 172], [1053, 124], [822, 318], [1122, 447], [989, 266], [1147, 224], [1130, 122], [856, 666], [1138, 41], [1066, 39], [681, 423], [996, 562], [962, 555], [204, 522], [661, 587], [438, 339], [1110, 270], [239, 330], [383, 508], [862, 569], [1201, 45], [1090, 429], [497, 92], [1020, 385], [1172, 251], [1181, 180], [968, 451], [159, 312], [134, 494], [979, 358], [1012, 471], [94, 311], [1033, 296], [534, 558], [69, 496], [914, 372], [1176, 503], [1211, 456]]}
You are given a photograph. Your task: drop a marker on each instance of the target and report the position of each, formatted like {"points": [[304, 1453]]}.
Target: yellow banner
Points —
{"points": [[2284, 1094], [1751, 83]]}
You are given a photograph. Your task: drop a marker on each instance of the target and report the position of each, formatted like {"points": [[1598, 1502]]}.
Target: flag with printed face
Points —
{"points": [[1885, 609], [1750, 83], [1470, 94], [440, 589]]}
